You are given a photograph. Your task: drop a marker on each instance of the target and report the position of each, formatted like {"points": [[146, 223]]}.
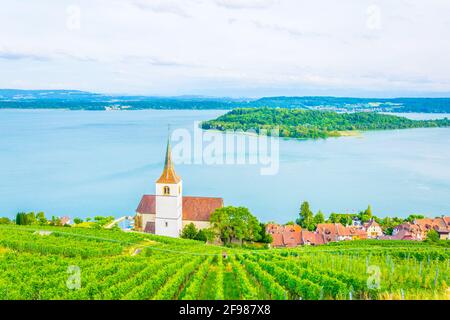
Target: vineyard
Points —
{"points": [[76, 263]]}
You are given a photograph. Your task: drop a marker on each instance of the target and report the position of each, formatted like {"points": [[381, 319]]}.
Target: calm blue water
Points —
{"points": [[82, 163]]}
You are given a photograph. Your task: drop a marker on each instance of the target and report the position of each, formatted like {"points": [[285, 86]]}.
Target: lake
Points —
{"points": [[86, 163]]}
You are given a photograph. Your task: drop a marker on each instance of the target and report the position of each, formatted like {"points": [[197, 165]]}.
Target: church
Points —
{"points": [[168, 211]]}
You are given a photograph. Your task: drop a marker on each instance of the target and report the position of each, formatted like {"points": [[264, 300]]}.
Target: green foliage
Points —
{"points": [[5, 220], [77, 220], [112, 267], [433, 235], [219, 279], [300, 123], [319, 218], [189, 231], [235, 223], [264, 237], [413, 217], [306, 217], [205, 235], [24, 219], [40, 217]]}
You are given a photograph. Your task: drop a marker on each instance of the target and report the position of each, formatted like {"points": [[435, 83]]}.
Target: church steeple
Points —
{"points": [[168, 175]]}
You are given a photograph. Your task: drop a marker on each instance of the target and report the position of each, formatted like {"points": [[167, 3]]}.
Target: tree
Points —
{"points": [[40, 217], [433, 236], [205, 235], [235, 222], [366, 215], [31, 218], [319, 218], [413, 217], [306, 217], [264, 236], [77, 220], [201, 236], [189, 231], [5, 220], [55, 221], [21, 219]]}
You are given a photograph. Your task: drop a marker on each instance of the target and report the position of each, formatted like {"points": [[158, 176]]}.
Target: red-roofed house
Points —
{"points": [[310, 238], [285, 236], [332, 232], [441, 225], [168, 211], [406, 231]]}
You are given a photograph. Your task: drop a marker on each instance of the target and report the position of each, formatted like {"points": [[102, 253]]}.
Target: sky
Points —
{"points": [[235, 48]]}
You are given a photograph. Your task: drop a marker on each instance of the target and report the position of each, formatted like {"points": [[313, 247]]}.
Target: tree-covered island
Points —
{"points": [[313, 124]]}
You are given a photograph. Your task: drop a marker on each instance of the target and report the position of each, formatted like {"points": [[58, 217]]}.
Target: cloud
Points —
{"points": [[12, 55], [245, 4], [200, 46], [162, 6], [291, 31]]}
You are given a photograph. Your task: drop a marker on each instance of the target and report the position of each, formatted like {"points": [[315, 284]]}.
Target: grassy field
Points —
{"points": [[77, 263]]}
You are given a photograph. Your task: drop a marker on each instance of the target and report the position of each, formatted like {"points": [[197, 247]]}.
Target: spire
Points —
{"points": [[168, 175]]}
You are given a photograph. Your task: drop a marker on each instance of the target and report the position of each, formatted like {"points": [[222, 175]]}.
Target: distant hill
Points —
{"points": [[81, 100]]}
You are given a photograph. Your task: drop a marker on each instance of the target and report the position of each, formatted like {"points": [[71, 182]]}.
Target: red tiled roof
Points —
{"points": [[277, 240], [447, 221], [310, 237], [327, 231], [200, 208], [372, 223], [291, 238], [194, 208], [147, 205], [439, 224]]}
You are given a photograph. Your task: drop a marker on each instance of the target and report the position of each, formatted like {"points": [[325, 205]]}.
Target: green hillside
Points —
{"points": [[77, 263]]}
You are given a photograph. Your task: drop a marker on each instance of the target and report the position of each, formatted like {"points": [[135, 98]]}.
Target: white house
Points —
{"points": [[168, 211], [373, 229]]}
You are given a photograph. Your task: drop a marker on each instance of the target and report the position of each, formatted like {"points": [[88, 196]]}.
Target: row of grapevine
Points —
{"points": [[193, 289], [171, 289], [219, 279], [298, 287], [247, 289], [270, 284]]}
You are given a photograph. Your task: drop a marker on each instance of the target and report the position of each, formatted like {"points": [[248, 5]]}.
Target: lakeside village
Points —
{"points": [[170, 213]]}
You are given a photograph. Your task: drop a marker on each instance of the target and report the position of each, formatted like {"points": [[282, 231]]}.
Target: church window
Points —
{"points": [[166, 190]]}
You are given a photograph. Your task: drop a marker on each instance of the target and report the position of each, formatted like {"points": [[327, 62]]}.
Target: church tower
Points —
{"points": [[169, 200]]}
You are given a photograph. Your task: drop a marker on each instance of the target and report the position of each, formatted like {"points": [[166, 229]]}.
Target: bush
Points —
{"points": [[5, 220], [433, 236], [189, 231]]}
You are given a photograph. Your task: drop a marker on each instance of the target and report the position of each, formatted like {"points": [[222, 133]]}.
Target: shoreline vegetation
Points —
{"points": [[313, 124]]}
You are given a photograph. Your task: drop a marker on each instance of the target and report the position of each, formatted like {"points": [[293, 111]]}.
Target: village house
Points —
{"points": [[357, 233], [441, 225], [310, 238], [373, 229], [167, 212], [406, 231], [65, 220], [333, 232], [292, 236]]}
